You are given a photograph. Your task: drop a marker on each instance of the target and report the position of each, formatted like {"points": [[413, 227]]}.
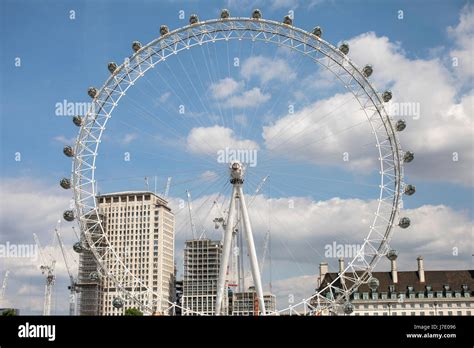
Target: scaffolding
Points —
{"points": [[201, 273], [89, 283]]}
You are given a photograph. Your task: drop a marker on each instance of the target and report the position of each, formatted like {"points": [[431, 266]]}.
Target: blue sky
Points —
{"points": [[62, 57]]}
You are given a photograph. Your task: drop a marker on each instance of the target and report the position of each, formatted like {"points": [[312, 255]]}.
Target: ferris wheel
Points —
{"points": [[335, 62]]}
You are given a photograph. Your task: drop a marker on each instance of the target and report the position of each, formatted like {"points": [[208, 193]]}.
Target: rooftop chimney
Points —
{"points": [[341, 268], [421, 269], [392, 256], [323, 269]]}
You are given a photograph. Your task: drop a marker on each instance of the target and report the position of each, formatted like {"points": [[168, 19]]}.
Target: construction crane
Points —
{"points": [[167, 188], [72, 281], [4, 285], [48, 270], [190, 207]]}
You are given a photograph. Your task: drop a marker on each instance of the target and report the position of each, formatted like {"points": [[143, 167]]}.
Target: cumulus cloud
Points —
{"points": [[443, 130], [440, 135], [301, 229], [252, 97], [64, 140], [322, 132], [198, 140], [128, 138], [462, 34], [230, 94], [225, 87], [267, 69], [30, 206]]}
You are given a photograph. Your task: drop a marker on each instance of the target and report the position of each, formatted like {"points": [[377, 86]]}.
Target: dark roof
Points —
{"points": [[435, 279]]}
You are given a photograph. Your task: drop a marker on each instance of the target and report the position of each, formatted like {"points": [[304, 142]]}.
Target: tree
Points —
{"points": [[9, 312], [133, 312]]}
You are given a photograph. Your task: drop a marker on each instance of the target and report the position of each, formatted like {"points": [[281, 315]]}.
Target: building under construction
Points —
{"points": [[201, 273], [89, 284], [246, 303]]}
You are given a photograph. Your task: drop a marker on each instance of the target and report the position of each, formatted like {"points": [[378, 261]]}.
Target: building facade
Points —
{"points": [[140, 227], [415, 293], [246, 303], [201, 273], [88, 284]]}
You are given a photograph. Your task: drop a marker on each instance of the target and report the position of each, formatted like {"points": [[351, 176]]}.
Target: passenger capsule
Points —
{"points": [[317, 31], [65, 183], [368, 70], [386, 96], [68, 215], [373, 284], [117, 302], [392, 255], [287, 20], [344, 48], [77, 120], [136, 45], [68, 151], [112, 67], [92, 91], [256, 14], [225, 13], [348, 308], [409, 190], [164, 30], [408, 157], [78, 248], [94, 276], [400, 125], [404, 222], [193, 19]]}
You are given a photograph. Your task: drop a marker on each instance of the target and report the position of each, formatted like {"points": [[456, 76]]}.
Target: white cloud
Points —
{"points": [[320, 133], [164, 97], [300, 232], [463, 35], [128, 138], [29, 206], [209, 175], [267, 69], [442, 132], [209, 140], [230, 94], [248, 98], [241, 120], [225, 88], [63, 140], [445, 123]]}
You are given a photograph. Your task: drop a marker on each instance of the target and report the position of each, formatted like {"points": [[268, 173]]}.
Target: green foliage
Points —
{"points": [[133, 312]]}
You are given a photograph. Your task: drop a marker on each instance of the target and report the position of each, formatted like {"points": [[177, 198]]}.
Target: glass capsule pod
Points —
{"points": [[256, 14], [344, 48], [386, 96], [225, 13], [164, 30], [368, 70], [65, 183], [68, 215], [136, 45], [112, 66], [404, 222], [317, 31]]}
